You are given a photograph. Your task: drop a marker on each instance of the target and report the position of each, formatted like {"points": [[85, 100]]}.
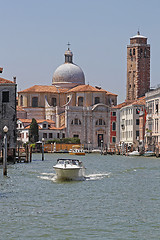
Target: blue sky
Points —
{"points": [[35, 33]]}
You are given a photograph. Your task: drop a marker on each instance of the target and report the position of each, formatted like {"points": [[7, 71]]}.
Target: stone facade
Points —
{"points": [[8, 113], [138, 67]]}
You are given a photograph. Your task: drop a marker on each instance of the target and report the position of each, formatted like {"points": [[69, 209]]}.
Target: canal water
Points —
{"points": [[120, 199]]}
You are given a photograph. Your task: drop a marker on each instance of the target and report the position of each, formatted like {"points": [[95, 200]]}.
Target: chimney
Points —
{"points": [[14, 79], [1, 69]]}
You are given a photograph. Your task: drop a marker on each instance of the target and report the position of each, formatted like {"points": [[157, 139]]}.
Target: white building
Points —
{"points": [[129, 122], [152, 133]]}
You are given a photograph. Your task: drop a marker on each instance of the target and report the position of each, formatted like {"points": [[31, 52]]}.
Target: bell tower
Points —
{"points": [[138, 67]]}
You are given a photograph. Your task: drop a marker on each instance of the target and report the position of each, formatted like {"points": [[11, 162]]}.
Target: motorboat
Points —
{"points": [[134, 153], [76, 150], [69, 169], [149, 154]]}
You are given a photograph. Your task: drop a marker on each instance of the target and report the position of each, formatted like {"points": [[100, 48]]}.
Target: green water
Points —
{"points": [[120, 199]]}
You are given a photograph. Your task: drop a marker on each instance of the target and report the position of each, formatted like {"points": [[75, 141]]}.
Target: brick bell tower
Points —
{"points": [[138, 67]]}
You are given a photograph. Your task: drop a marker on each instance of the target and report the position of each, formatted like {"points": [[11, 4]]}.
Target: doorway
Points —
{"points": [[100, 138]]}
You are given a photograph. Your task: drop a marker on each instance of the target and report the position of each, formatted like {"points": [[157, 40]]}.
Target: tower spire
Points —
{"points": [[68, 55], [68, 45]]}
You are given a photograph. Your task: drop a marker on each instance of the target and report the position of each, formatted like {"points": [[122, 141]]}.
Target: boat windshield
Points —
{"points": [[68, 161]]}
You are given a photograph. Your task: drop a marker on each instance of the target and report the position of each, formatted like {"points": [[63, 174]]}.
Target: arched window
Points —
{"points": [[76, 121], [35, 102], [21, 100], [80, 101], [54, 102], [130, 52], [100, 122], [133, 51], [96, 100]]}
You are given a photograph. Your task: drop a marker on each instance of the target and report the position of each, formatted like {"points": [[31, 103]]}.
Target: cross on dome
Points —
{"points": [[68, 45]]}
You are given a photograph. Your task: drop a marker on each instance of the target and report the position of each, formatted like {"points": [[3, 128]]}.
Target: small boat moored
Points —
{"points": [[149, 154], [69, 169], [76, 150], [134, 153]]}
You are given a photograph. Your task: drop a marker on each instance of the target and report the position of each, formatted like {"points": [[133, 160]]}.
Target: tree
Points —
{"points": [[33, 131]]}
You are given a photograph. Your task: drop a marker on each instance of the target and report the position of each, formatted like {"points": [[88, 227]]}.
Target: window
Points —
{"points": [[35, 102], [113, 113], [130, 52], [114, 126], [80, 101], [5, 96], [133, 51], [44, 125], [141, 52], [21, 100], [50, 135], [156, 103], [137, 134], [96, 100], [150, 107], [156, 125], [113, 139], [76, 136], [100, 122], [63, 135], [137, 121], [76, 121], [58, 135], [54, 102], [44, 135]]}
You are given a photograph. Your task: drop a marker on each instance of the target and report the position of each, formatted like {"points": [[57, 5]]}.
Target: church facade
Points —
{"points": [[81, 110]]}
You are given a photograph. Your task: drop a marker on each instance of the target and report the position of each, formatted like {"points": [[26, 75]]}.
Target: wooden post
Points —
{"points": [[27, 153], [18, 153], [30, 154], [5, 155], [42, 149]]}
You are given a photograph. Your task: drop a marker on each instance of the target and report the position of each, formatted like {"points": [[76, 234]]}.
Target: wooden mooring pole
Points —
{"points": [[5, 155], [30, 154]]}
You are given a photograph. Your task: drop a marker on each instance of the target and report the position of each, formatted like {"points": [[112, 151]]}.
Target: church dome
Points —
{"points": [[68, 73]]}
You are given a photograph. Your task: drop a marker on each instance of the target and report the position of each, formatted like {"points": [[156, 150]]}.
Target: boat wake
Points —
{"points": [[48, 176], [97, 176], [91, 177]]}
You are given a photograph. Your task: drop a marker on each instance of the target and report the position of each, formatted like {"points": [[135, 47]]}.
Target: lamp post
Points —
{"points": [[51, 147], [5, 130], [42, 149], [101, 146]]}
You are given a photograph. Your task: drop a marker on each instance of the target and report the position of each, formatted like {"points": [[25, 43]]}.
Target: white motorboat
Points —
{"points": [[134, 153], [69, 169], [149, 154]]}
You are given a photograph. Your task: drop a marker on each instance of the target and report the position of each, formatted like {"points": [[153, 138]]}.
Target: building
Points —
{"points": [[47, 130], [152, 128], [138, 67], [82, 110], [8, 114], [129, 122]]}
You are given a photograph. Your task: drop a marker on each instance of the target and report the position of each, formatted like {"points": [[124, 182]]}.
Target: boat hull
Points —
{"points": [[77, 153], [69, 174]]}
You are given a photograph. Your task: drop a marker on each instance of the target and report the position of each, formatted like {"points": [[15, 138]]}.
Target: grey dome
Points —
{"points": [[68, 73]]}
